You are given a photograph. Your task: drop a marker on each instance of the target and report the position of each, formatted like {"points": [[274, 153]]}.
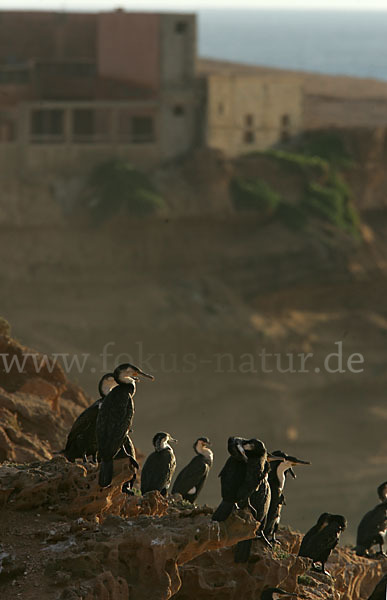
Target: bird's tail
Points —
{"points": [[223, 511], [105, 473], [242, 551]]}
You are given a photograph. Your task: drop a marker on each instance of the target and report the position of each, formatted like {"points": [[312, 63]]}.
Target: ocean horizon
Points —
{"points": [[319, 41]]}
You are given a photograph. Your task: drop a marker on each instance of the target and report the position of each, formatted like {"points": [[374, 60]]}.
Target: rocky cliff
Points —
{"points": [[62, 537]]}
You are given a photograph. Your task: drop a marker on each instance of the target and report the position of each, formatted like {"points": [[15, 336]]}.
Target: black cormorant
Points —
{"points": [[380, 591], [160, 466], [372, 530], [81, 441], [241, 475], [274, 594], [322, 538], [115, 418], [277, 477], [190, 480]]}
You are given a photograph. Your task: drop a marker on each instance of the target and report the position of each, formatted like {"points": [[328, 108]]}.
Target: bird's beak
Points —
{"points": [[242, 452], [272, 457], [296, 461], [173, 440], [142, 374], [292, 473]]}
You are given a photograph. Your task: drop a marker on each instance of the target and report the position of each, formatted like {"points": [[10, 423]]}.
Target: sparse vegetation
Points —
{"points": [[117, 185], [328, 145], [254, 194]]}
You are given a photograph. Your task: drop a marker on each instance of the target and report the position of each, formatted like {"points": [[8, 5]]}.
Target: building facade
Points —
{"points": [[76, 89], [250, 112]]}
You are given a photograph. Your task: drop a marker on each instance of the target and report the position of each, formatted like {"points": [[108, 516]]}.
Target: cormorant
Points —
{"points": [[81, 441], [382, 491], [322, 538], [274, 594], [372, 530], [191, 478], [277, 478], [241, 475], [160, 466], [380, 591], [115, 418]]}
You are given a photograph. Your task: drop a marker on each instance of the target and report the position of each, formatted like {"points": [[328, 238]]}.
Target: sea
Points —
{"points": [[333, 42]]}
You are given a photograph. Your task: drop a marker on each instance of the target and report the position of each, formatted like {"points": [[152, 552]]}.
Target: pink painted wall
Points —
{"points": [[128, 47]]}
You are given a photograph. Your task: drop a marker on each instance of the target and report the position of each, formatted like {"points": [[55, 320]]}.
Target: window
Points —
{"points": [[178, 110], [249, 120], [47, 125], [285, 128], [142, 129], [285, 120], [249, 137], [83, 122], [181, 27]]}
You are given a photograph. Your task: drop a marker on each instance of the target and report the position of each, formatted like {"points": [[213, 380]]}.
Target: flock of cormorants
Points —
{"points": [[252, 478]]}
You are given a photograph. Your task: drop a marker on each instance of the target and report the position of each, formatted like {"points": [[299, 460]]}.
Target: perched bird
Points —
{"points": [[192, 477], [160, 466], [372, 530], [241, 475], [322, 538], [115, 418], [382, 491], [380, 591], [274, 594], [81, 441], [279, 469]]}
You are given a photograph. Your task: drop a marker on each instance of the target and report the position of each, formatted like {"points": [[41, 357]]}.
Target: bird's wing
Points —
{"points": [[190, 476], [83, 423], [156, 471]]}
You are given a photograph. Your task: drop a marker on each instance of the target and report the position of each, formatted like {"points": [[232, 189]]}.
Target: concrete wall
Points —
{"points": [[179, 88], [26, 36], [249, 112], [128, 47], [178, 49]]}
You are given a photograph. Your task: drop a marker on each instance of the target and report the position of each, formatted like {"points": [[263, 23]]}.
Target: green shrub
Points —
{"points": [[307, 165], [333, 203], [328, 145], [305, 580], [254, 194], [117, 185]]}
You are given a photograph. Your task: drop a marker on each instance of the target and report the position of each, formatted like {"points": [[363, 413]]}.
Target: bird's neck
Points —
{"points": [[208, 454]]}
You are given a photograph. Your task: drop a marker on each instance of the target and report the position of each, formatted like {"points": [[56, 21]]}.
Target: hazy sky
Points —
{"points": [[190, 5]]}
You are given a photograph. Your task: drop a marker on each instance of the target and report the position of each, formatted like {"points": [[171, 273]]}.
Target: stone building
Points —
{"points": [[78, 88], [75, 88]]}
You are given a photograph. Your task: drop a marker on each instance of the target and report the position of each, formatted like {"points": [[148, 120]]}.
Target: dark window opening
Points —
{"points": [[142, 129], [47, 125], [285, 126], [83, 123], [249, 120], [14, 76], [249, 137], [178, 110], [285, 120], [181, 27]]}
